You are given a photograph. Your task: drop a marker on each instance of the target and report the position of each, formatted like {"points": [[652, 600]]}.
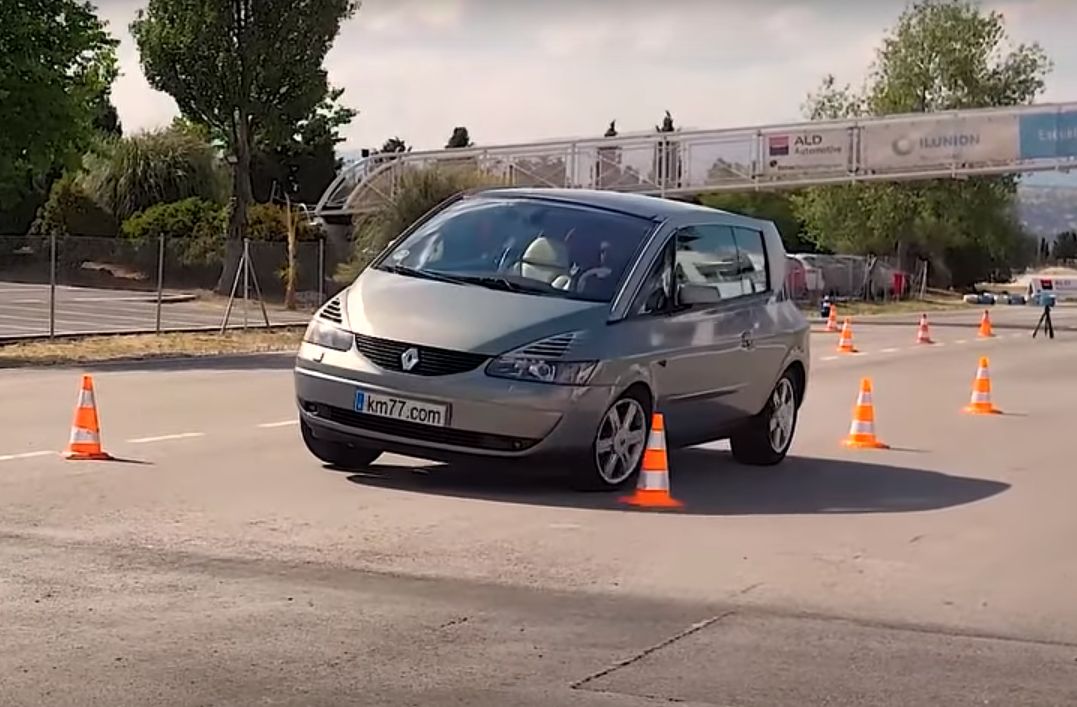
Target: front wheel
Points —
{"points": [[617, 450], [765, 439], [339, 454]]}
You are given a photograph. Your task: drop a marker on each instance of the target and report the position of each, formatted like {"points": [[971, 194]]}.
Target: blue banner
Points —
{"points": [[1049, 135]]}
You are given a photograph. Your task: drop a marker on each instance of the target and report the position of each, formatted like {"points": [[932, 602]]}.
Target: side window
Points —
{"points": [[654, 295], [707, 255], [752, 255]]}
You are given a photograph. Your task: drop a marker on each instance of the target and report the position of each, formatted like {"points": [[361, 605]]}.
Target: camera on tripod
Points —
{"points": [[1047, 299]]}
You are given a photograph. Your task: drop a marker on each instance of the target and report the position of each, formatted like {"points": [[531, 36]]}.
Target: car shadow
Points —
{"points": [[709, 482]]}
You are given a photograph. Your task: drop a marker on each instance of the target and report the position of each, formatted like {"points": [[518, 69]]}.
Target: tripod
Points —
{"points": [[246, 271], [1045, 322]]}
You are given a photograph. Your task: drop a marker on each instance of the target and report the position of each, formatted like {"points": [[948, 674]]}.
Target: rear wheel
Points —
{"points": [[340, 454], [765, 439], [617, 450]]}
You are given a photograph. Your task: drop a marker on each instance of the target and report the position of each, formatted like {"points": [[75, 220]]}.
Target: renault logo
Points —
{"points": [[409, 359]]}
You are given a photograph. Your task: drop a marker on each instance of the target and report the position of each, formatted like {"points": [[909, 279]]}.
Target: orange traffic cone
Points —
{"points": [[985, 326], [85, 443], [652, 491], [981, 392], [845, 342], [832, 319], [923, 336], [862, 430]]}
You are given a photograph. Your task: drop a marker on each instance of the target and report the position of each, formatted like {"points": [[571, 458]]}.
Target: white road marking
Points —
{"points": [[285, 423], [165, 438], [829, 358], [25, 455], [962, 341], [887, 350]]}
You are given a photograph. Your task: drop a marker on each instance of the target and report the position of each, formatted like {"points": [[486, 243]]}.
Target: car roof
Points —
{"points": [[642, 205]]}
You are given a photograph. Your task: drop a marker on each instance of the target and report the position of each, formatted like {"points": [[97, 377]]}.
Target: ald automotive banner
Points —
{"points": [[826, 149], [1049, 135]]}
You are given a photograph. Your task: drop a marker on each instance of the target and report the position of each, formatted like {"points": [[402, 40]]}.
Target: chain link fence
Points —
{"points": [[812, 276], [64, 285]]}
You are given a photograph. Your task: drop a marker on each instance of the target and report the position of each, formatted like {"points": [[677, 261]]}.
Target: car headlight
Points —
{"points": [[540, 370], [321, 333]]}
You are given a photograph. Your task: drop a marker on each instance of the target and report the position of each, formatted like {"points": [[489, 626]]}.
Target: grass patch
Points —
{"points": [[125, 347], [931, 304]]}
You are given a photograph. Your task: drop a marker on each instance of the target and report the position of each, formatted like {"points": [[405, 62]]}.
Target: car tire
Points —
{"points": [[587, 474], [338, 454], [765, 439]]}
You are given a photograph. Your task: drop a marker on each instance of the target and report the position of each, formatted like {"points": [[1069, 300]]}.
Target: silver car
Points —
{"points": [[541, 324]]}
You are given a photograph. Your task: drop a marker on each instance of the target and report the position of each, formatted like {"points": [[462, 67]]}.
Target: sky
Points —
{"points": [[521, 70]]}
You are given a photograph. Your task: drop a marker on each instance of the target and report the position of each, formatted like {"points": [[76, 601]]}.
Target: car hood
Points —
{"points": [[460, 317]]}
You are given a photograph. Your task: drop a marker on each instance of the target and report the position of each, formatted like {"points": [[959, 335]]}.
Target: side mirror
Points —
{"points": [[689, 294]]}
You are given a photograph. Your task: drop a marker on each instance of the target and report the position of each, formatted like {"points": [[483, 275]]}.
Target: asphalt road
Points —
{"points": [[220, 564], [24, 311]]}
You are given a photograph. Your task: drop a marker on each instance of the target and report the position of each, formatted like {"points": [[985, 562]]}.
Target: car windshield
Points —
{"points": [[530, 246]]}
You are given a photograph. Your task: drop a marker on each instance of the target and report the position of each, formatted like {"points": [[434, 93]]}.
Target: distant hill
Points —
{"points": [[1047, 211]]}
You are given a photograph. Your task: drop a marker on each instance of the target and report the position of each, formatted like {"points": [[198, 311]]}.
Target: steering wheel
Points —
{"points": [[504, 256]]}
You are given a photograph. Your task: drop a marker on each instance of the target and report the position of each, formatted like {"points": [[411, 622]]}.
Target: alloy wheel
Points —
{"points": [[621, 439], [783, 406]]}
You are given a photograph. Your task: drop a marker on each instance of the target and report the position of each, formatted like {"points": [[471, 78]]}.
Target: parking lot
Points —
{"points": [[219, 563], [24, 311]]}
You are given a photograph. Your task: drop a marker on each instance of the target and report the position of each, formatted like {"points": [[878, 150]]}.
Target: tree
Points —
{"points": [[305, 163], [459, 139], [395, 144], [130, 175], [1065, 247], [250, 70], [56, 60], [942, 55]]}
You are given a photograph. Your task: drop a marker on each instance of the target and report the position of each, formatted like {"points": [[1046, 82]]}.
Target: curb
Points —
{"points": [[167, 360], [19, 338]]}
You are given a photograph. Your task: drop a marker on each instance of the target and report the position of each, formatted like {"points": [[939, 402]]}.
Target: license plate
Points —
{"points": [[401, 409]]}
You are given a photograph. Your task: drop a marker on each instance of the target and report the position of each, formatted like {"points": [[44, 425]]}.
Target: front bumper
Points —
{"points": [[489, 417]]}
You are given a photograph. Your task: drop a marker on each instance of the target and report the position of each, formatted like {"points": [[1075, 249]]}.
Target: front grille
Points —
{"points": [[432, 362], [420, 433]]}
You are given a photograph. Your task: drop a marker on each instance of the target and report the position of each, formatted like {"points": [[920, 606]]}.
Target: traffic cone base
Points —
{"points": [[862, 430], [85, 441], [652, 490], [650, 498]]}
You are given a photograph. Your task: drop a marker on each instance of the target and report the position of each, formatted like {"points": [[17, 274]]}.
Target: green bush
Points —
{"points": [[131, 175], [78, 220], [70, 211], [193, 228], [419, 191], [266, 222]]}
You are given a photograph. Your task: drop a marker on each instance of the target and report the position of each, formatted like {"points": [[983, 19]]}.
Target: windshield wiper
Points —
{"points": [[500, 282], [426, 274]]}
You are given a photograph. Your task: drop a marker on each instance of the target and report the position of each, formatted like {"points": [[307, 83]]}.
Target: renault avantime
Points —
{"points": [[513, 325]]}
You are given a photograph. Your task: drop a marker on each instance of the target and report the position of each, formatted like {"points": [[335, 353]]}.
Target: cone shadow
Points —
{"points": [[710, 482]]}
